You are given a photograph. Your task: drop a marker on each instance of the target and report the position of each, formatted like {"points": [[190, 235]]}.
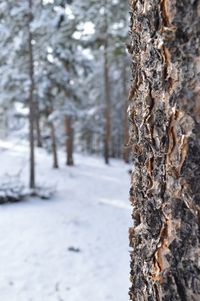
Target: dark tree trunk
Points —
{"points": [[164, 113], [89, 143], [31, 102], [69, 140], [37, 125], [107, 114], [49, 110], [54, 146], [126, 149]]}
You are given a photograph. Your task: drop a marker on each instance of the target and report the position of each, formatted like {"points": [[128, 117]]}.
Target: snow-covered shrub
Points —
{"points": [[11, 190]]}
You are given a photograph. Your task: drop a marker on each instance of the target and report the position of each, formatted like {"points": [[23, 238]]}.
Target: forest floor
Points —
{"points": [[74, 246]]}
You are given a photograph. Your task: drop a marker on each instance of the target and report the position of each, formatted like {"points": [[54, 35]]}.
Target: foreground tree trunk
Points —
{"points": [[31, 101], [69, 140], [164, 113]]}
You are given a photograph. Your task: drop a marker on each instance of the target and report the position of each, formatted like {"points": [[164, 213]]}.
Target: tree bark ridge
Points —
{"points": [[165, 140]]}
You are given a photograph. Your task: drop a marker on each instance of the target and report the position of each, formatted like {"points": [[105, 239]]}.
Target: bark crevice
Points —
{"points": [[165, 139]]}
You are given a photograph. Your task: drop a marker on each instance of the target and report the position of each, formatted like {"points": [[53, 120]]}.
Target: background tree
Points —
{"points": [[165, 139], [68, 39], [31, 99], [107, 44]]}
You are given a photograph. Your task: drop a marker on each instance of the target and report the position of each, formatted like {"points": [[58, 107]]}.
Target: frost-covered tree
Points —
{"points": [[10, 80], [77, 74], [109, 20], [19, 70], [19, 83]]}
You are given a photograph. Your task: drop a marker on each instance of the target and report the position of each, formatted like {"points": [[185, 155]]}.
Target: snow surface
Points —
{"points": [[70, 248]]}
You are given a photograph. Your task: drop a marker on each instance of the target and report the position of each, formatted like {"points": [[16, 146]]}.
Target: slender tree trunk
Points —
{"points": [[69, 140], [165, 135], [107, 113], [53, 136], [126, 150], [31, 102], [54, 146], [37, 125], [89, 143]]}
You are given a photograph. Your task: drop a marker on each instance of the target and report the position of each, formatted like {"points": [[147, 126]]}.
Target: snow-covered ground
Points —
{"points": [[70, 248]]}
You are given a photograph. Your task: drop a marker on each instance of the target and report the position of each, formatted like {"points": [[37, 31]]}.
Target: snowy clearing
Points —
{"points": [[70, 248]]}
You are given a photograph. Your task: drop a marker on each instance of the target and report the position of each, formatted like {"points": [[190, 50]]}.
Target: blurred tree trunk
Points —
{"points": [[53, 136], [107, 113], [89, 143], [165, 136], [54, 146], [69, 139], [31, 101], [126, 150], [37, 125]]}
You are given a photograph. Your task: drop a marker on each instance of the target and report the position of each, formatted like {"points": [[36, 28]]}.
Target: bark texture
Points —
{"points": [[164, 113]]}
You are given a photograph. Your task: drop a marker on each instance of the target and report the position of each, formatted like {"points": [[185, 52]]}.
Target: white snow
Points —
{"points": [[90, 213]]}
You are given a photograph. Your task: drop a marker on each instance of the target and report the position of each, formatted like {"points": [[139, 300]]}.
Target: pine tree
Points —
{"points": [[74, 76], [110, 19], [165, 138]]}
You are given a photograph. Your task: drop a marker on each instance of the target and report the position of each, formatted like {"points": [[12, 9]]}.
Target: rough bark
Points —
{"points": [[69, 140], [164, 113], [31, 102]]}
